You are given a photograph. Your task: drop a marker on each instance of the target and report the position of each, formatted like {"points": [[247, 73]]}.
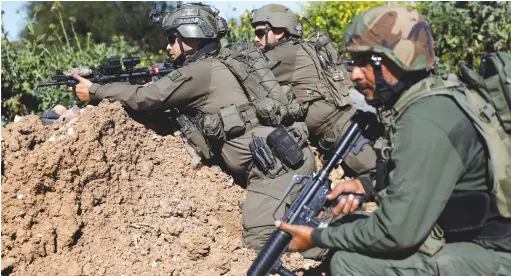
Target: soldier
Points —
{"points": [[218, 116], [324, 107], [444, 205]]}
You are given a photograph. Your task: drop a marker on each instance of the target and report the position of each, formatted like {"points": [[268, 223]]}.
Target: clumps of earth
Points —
{"points": [[103, 195]]}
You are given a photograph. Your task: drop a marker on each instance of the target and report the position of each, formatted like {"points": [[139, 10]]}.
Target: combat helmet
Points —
{"points": [[196, 20], [277, 16], [400, 33], [192, 21], [403, 36]]}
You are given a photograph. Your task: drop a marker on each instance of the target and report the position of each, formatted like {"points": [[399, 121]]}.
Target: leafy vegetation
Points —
{"points": [[461, 29], [326, 15], [39, 55], [62, 35], [103, 20]]}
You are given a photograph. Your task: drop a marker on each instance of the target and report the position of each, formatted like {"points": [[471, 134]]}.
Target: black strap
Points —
{"points": [[386, 95]]}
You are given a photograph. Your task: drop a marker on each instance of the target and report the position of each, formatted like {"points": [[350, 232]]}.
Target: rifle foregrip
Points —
{"points": [[270, 254], [361, 198]]}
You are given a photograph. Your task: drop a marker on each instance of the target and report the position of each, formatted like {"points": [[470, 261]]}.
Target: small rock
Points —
{"points": [[70, 131], [19, 196]]}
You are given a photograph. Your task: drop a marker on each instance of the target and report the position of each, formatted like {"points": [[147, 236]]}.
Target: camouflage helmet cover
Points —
{"points": [[398, 32], [278, 16], [196, 21]]}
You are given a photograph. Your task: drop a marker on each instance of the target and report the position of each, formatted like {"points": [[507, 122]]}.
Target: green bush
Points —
{"points": [[29, 61], [463, 28]]}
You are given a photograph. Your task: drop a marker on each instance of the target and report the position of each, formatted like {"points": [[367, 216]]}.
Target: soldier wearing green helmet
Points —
{"points": [[444, 200], [217, 119], [319, 100]]}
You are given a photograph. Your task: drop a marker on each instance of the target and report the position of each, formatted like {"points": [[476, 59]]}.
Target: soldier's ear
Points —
{"points": [[279, 33], [392, 69]]}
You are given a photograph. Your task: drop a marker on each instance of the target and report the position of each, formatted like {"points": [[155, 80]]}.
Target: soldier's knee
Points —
{"points": [[255, 238], [257, 218], [342, 263]]}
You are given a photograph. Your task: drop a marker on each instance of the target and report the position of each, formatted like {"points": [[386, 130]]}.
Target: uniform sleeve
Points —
{"points": [[175, 89], [281, 61], [427, 169]]}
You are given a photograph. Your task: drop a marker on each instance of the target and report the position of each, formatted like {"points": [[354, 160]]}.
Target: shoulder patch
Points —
{"points": [[174, 75]]}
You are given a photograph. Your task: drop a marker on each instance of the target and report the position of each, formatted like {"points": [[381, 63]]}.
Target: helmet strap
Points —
{"points": [[181, 59], [267, 45], [386, 95]]}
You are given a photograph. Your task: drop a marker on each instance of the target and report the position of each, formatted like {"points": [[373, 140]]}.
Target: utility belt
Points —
{"points": [[205, 133]]}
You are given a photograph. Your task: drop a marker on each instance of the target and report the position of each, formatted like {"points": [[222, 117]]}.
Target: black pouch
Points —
{"points": [[464, 215], [261, 154], [285, 147]]}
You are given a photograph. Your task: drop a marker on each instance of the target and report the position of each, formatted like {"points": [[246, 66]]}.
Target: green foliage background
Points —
{"points": [[103, 20], [34, 59], [76, 35], [463, 28]]}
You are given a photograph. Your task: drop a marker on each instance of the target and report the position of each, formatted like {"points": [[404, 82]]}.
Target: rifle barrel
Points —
{"points": [[57, 83]]}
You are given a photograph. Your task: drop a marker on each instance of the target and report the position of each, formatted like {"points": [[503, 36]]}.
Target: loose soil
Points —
{"points": [[103, 195]]}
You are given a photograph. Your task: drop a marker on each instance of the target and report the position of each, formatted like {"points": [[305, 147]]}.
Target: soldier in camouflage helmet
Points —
{"points": [[217, 118], [437, 214], [309, 82]]}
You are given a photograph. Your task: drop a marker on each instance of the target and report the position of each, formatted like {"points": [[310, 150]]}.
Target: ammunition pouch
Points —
{"points": [[232, 121], [214, 128], [285, 147], [298, 109], [269, 112], [299, 132], [282, 149], [194, 136], [330, 138], [339, 86]]}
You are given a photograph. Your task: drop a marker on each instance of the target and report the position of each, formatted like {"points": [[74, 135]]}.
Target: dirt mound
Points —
{"points": [[103, 195]]}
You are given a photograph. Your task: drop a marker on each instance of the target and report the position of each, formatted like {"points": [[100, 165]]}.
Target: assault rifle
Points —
{"points": [[112, 72], [364, 128]]}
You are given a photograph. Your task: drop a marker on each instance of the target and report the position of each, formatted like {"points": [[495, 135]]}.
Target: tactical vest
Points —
{"points": [[483, 117], [250, 67], [335, 80], [206, 133], [267, 104]]}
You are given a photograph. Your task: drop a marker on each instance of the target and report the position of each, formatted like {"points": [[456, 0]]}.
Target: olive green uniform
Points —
{"points": [[293, 67], [436, 151], [207, 85]]}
